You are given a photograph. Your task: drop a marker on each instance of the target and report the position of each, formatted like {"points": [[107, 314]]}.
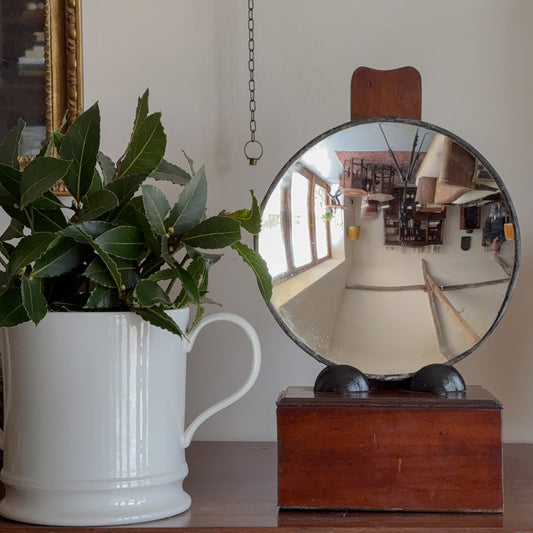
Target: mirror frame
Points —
{"points": [[466, 146]]}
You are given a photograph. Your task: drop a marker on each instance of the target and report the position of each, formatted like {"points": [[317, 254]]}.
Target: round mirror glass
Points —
{"points": [[392, 244]]}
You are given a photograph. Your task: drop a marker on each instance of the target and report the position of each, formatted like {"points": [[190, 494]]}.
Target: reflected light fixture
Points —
{"points": [[406, 177]]}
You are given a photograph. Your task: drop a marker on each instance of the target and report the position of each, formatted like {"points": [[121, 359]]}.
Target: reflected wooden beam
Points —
{"points": [[385, 288], [474, 285], [501, 262], [395, 288], [461, 323], [444, 350]]}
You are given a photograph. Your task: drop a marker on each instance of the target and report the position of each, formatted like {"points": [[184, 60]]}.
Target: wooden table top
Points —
{"points": [[233, 486]]}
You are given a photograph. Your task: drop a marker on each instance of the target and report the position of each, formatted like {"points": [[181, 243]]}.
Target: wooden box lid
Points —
{"points": [[475, 397]]}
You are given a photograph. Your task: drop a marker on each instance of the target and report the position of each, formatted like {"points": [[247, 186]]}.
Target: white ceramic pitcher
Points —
{"points": [[94, 417]]}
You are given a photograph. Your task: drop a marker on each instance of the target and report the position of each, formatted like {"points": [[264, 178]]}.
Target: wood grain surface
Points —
{"points": [[386, 93], [233, 488]]}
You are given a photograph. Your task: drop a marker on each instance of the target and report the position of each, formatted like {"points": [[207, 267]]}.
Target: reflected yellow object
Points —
{"points": [[353, 232], [508, 230]]}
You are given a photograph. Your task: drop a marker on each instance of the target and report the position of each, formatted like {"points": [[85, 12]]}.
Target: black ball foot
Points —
{"points": [[438, 379], [341, 379]]}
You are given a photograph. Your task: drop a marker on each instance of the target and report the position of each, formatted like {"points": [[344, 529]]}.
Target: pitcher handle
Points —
{"points": [[250, 380]]}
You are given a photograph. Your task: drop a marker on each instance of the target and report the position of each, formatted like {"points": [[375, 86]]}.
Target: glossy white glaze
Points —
{"points": [[94, 418]]}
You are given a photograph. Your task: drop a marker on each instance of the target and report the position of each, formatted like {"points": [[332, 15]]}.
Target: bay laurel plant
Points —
{"points": [[119, 245]]}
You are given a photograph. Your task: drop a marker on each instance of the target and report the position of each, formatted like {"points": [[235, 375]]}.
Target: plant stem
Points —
{"points": [[29, 214], [170, 285]]}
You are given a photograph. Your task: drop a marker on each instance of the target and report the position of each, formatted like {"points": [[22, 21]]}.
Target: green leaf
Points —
{"points": [[125, 188], [10, 179], [46, 149], [9, 147], [107, 167], [156, 207], [147, 148], [39, 176], [169, 172], [214, 232], [199, 314], [48, 220], [110, 263], [208, 259], [13, 231], [149, 293], [197, 269], [4, 281], [164, 275], [98, 203], [102, 298], [135, 216], [141, 112], [55, 139], [80, 144], [167, 252], [11, 206], [151, 264], [259, 267], [12, 310], [48, 201], [96, 185], [206, 300], [159, 318], [33, 300], [190, 161], [188, 284], [250, 219], [190, 207], [57, 136], [6, 249], [61, 257], [92, 229], [197, 275], [55, 142], [28, 250], [98, 272], [80, 233], [126, 242]]}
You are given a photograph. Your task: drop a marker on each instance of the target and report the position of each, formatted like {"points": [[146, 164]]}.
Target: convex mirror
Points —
{"points": [[392, 243]]}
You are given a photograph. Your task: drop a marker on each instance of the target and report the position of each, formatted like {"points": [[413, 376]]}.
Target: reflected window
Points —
{"points": [[295, 220], [300, 222], [321, 223], [272, 235]]}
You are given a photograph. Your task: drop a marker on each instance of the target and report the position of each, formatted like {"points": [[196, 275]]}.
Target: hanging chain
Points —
{"points": [[251, 88], [251, 68]]}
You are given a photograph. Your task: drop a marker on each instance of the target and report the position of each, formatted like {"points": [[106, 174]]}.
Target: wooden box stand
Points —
{"points": [[390, 450]]}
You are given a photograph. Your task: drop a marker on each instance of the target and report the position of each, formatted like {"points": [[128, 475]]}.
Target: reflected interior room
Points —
{"points": [[392, 227]]}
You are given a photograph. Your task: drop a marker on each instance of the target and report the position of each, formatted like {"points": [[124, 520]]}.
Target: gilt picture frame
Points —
{"points": [[63, 60], [41, 69]]}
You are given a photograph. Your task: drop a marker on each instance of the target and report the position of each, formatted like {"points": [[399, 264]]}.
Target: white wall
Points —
{"points": [[475, 60]]}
